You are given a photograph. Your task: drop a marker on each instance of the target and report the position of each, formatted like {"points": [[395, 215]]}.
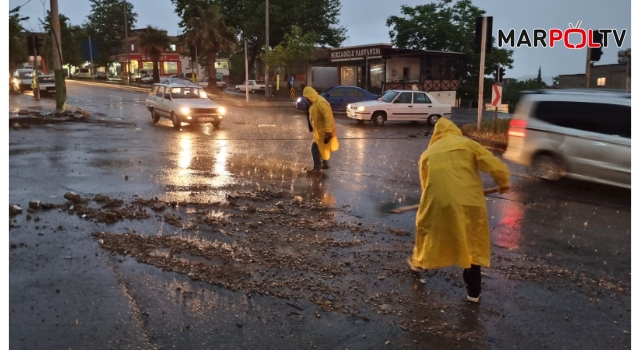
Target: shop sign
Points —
{"points": [[355, 53]]}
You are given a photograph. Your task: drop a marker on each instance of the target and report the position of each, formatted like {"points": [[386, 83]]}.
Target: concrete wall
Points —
{"points": [[398, 64]]}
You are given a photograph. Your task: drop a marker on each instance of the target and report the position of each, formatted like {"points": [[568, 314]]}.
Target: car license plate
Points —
{"points": [[206, 119]]}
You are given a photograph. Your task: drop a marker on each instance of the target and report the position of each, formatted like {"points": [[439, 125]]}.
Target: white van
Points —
{"points": [[582, 134], [83, 73]]}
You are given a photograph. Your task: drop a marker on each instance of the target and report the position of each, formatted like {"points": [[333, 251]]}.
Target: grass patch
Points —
{"points": [[486, 131]]}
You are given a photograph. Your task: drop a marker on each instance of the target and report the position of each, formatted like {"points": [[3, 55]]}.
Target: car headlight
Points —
{"points": [[360, 109], [349, 106], [299, 99], [185, 110], [222, 110]]}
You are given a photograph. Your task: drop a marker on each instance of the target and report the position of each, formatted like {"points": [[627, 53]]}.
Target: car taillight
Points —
{"points": [[517, 128]]}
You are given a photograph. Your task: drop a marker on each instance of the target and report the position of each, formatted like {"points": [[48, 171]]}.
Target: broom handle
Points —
{"points": [[415, 206]]}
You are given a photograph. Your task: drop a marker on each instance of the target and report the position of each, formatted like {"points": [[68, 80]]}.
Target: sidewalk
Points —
{"points": [[237, 101]]}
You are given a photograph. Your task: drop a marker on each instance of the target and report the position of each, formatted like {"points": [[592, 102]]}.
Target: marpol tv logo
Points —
{"points": [[571, 38]]}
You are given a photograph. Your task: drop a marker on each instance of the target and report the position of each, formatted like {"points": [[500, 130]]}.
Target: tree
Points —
{"points": [[540, 74], [556, 81], [17, 43], [153, 42], [71, 38], [248, 17], [448, 25], [106, 26], [208, 30], [296, 49]]}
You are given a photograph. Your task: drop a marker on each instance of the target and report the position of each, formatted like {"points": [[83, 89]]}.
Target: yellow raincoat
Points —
{"points": [[322, 121], [451, 223]]}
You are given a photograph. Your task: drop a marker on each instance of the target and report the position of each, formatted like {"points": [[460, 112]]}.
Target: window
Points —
{"points": [[602, 81], [170, 67], [388, 96], [339, 92], [133, 48], [602, 118], [160, 91], [351, 92], [188, 92], [420, 98], [404, 97], [172, 47], [147, 65], [154, 90], [361, 94]]}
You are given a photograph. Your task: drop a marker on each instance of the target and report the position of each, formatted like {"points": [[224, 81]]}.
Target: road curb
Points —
{"points": [[226, 100]]}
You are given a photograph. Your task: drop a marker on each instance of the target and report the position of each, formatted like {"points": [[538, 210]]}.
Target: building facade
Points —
{"points": [[169, 64], [606, 76]]}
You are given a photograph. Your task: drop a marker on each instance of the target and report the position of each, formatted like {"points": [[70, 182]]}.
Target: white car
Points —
{"points": [[254, 85], [183, 102], [400, 105], [23, 79], [221, 84], [46, 83], [580, 134]]}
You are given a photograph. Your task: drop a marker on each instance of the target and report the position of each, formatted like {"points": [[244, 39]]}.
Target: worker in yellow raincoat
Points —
{"points": [[323, 126], [452, 228]]}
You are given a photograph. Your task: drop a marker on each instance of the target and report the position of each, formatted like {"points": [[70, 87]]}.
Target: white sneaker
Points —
{"points": [[474, 300]]}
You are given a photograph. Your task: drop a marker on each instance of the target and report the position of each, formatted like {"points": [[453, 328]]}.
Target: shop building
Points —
{"points": [[169, 64]]}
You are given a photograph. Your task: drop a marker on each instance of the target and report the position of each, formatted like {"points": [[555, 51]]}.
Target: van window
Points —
{"points": [[84, 70], [160, 92], [602, 118], [154, 90]]}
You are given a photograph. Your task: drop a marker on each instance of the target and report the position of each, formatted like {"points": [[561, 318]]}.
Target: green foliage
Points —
{"points": [[486, 130], [71, 37], [512, 92], [106, 26], [153, 42], [17, 43], [448, 25], [207, 28], [248, 17], [296, 49]]}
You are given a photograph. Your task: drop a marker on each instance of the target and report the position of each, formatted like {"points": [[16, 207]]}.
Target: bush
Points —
{"points": [[486, 130]]}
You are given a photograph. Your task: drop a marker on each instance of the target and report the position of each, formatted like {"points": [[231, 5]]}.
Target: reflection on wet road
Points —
{"points": [[561, 251]]}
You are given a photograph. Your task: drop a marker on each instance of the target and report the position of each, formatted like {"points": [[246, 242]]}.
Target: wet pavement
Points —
{"points": [[203, 238]]}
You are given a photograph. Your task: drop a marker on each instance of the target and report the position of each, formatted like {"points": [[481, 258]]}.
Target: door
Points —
{"points": [[161, 106], [422, 106], [336, 99], [151, 99], [402, 108]]}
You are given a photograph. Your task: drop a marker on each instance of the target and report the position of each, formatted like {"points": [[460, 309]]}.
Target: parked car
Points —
{"points": [[254, 85], [400, 105], [146, 79], [580, 134], [46, 83], [339, 97], [83, 73], [221, 84], [183, 102], [100, 76]]}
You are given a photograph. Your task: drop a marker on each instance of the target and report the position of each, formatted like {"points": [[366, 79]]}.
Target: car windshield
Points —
{"points": [[27, 74], [388, 96], [187, 92]]}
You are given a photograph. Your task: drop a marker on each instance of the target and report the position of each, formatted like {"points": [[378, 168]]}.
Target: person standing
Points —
{"points": [[323, 126], [452, 228]]}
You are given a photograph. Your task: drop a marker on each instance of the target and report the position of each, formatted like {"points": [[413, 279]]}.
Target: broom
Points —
{"points": [[415, 206]]}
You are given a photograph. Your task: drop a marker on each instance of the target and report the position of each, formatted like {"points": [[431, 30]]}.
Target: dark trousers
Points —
{"points": [[315, 153], [473, 279]]}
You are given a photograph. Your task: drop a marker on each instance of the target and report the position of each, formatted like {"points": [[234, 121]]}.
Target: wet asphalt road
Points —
{"points": [[560, 275]]}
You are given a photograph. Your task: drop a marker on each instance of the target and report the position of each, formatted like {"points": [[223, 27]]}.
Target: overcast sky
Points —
{"points": [[365, 23]]}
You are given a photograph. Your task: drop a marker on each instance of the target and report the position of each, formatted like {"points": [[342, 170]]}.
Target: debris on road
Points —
{"points": [[15, 210]]}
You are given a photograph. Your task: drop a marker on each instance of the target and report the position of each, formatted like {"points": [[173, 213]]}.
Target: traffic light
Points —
{"points": [[501, 74], [596, 53], [37, 41], [193, 52], [478, 34], [30, 45]]}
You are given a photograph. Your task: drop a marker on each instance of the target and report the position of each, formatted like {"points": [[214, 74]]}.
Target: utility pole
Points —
{"points": [[266, 65], [91, 58], [36, 86], [126, 40], [483, 48], [587, 71], [246, 72], [61, 89]]}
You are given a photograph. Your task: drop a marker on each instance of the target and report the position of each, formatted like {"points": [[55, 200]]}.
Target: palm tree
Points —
{"points": [[153, 42], [208, 30]]}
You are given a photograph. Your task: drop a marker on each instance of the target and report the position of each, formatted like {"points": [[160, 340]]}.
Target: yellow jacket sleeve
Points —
{"points": [[490, 164]]}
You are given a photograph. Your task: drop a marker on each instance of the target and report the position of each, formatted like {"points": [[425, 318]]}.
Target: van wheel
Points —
{"points": [[378, 119], [547, 167], [433, 119], [154, 116], [176, 123], [216, 125]]}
